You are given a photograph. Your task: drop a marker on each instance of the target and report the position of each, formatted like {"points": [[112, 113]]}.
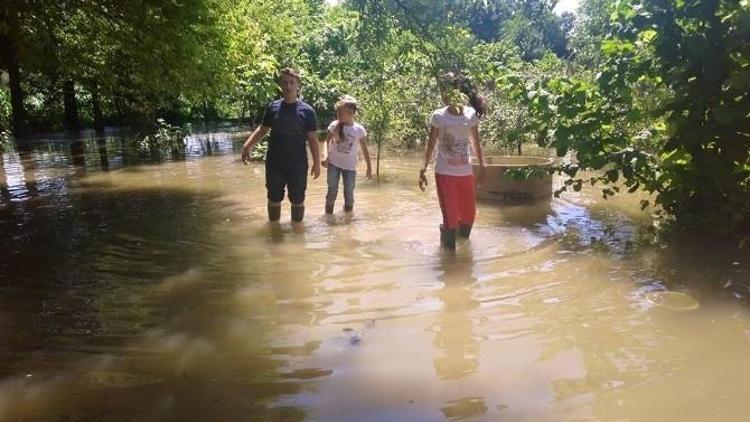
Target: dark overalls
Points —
{"points": [[286, 159]]}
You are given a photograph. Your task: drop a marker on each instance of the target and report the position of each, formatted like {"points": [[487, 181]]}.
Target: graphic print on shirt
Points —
{"points": [[455, 151], [345, 145]]}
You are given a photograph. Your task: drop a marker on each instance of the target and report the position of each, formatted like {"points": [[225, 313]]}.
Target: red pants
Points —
{"points": [[456, 196]]}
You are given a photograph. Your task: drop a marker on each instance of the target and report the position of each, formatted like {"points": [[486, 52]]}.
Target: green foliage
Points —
{"points": [[525, 173], [5, 110], [219, 58], [508, 124], [690, 146], [591, 26], [136, 60], [528, 38], [653, 97], [259, 151], [165, 139], [529, 24], [6, 142]]}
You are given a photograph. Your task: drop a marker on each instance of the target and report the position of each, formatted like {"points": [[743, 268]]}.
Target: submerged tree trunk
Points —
{"points": [[71, 106]]}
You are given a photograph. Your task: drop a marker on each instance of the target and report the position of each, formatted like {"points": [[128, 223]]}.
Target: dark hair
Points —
{"points": [[288, 71], [466, 85]]}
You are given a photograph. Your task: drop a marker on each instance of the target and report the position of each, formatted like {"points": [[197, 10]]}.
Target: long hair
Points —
{"points": [[349, 102], [467, 87]]}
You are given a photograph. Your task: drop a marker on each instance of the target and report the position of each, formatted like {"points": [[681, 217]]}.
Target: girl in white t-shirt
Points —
{"points": [[454, 128], [345, 136]]}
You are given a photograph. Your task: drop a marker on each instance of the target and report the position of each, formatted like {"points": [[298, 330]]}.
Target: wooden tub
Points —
{"points": [[515, 178]]}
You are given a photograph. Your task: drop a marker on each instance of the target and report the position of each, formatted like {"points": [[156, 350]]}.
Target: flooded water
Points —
{"points": [[134, 289]]}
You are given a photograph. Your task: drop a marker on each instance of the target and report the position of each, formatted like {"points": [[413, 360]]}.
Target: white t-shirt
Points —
{"points": [[342, 153], [453, 141]]}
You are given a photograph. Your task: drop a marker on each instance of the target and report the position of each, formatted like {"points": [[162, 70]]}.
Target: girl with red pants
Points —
{"points": [[453, 128]]}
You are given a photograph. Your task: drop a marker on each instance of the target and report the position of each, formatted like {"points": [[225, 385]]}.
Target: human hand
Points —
{"points": [[422, 179], [245, 155], [324, 163], [315, 172]]}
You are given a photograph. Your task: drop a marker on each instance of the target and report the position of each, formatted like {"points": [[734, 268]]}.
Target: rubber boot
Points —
{"points": [[448, 238], [464, 230], [298, 213], [329, 209], [274, 212]]}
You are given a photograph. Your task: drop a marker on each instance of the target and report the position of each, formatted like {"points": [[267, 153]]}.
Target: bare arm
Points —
{"points": [[329, 138], [312, 140], [366, 153], [256, 136], [432, 140], [477, 144]]}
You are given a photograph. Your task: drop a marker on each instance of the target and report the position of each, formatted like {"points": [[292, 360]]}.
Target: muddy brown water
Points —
{"points": [[140, 289]]}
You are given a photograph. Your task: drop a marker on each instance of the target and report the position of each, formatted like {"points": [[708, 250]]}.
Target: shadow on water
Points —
{"points": [[59, 258], [121, 294], [708, 270]]}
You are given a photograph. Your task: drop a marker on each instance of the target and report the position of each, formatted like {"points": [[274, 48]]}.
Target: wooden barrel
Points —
{"points": [[515, 178]]}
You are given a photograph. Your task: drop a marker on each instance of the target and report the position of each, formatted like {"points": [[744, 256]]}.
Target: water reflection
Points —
{"points": [[102, 151], [463, 408], [77, 152], [532, 216], [136, 289], [454, 334], [133, 328]]}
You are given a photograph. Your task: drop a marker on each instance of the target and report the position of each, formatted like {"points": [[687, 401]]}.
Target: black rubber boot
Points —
{"points": [[348, 208], [274, 212], [464, 230], [448, 238], [298, 213], [329, 209]]}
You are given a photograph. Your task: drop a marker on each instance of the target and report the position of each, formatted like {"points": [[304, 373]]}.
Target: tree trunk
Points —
{"points": [[382, 125], [377, 161], [71, 106], [10, 55], [242, 110], [97, 109], [205, 113], [118, 110]]}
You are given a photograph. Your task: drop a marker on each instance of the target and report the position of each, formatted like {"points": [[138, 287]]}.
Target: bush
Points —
{"points": [[6, 141], [656, 117], [165, 139]]}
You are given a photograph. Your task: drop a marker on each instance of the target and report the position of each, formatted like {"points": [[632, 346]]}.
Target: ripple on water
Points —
{"points": [[654, 294], [674, 301]]}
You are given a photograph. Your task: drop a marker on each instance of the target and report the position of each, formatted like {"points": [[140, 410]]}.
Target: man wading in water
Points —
{"points": [[292, 123]]}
